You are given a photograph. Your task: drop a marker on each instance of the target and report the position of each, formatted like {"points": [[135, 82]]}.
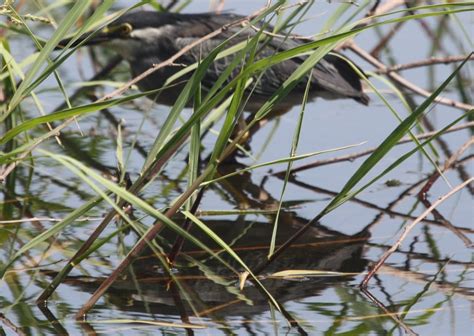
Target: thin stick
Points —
{"points": [[422, 195], [408, 228], [379, 10], [385, 39], [392, 315], [372, 10], [425, 62], [179, 242], [353, 156], [386, 210], [403, 82], [11, 325]]}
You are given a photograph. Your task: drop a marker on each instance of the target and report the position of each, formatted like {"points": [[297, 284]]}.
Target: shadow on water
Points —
{"points": [[210, 288]]}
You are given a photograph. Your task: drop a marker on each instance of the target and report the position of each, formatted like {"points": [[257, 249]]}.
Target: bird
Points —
{"points": [[146, 38]]}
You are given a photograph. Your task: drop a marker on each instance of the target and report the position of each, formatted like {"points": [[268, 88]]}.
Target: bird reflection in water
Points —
{"points": [[209, 283]]}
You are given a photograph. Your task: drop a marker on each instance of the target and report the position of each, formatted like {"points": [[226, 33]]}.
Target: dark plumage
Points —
{"points": [[145, 38]]}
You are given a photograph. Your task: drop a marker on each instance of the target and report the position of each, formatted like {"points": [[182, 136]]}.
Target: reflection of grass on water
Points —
{"points": [[113, 191]]}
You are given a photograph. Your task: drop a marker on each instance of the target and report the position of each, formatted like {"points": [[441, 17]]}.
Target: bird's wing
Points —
{"points": [[331, 74], [271, 79]]}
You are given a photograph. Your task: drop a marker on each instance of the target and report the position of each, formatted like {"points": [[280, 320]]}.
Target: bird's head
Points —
{"points": [[131, 34]]}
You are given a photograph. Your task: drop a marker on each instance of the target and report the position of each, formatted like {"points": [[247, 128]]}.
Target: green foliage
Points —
{"points": [[28, 140]]}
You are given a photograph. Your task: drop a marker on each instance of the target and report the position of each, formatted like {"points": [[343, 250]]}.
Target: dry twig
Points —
{"points": [[425, 62], [392, 315], [403, 82], [408, 228], [422, 195], [353, 156], [11, 325]]}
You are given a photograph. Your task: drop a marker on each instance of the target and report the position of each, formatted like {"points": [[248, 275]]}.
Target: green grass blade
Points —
{"points": [[70, 19], [55, 229], [88, 175], [294, 147], [229, 250], [68, 113], [282, 160], [388, 144], [401, 159], [189, 90]]}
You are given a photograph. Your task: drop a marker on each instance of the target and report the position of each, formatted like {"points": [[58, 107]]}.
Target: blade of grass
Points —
{"points": [[387, 145], [67, 113], [92, 21], [124, 194], [189, 90], [405, 156], [398, 117], [367, 166], [283, 160], [231, 252], [69, 20], [294, 147], [55, 229]]}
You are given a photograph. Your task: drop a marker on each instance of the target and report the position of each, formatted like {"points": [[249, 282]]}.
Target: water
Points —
{"points": [[426, 286]]}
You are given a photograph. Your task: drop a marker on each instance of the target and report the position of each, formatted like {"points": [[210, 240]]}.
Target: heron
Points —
{"points": [[147, 38]]}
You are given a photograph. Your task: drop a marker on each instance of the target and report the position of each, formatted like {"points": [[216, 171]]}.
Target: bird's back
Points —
{"points": [[331, 78]]}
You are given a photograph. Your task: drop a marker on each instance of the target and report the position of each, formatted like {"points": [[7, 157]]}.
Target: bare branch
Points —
{"points": [[403, 82], [409, 227], [426, 62], [353, 156]]}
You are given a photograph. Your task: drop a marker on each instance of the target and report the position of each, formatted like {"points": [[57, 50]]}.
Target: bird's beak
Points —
{"points": [[105, 35]]}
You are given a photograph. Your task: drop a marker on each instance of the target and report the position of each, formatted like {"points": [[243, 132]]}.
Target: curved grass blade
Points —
{"points": [[67, 113], [283, 160], [387, 145], [70, 19], [229, 250], [55, 229], [127, 196], [294, 147]]}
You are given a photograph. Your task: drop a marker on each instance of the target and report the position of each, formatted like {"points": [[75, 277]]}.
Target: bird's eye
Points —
{"points": [[125, 29]]}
